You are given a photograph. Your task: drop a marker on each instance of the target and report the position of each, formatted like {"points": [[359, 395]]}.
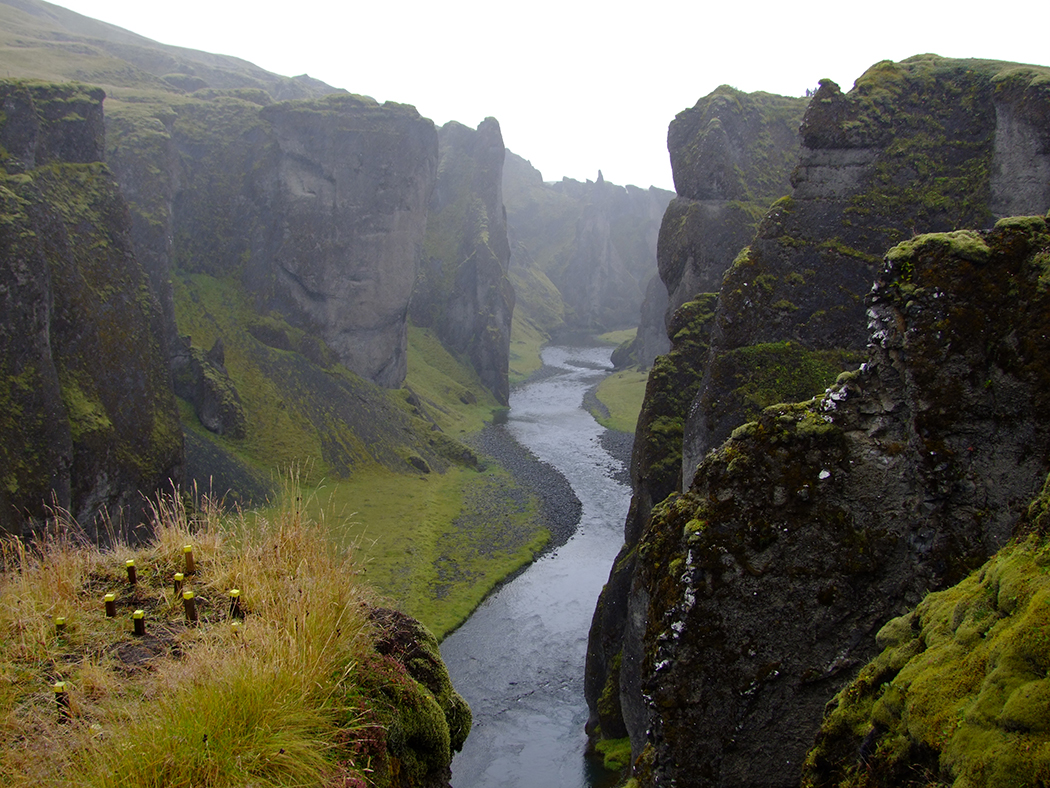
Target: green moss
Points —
{"points": [[967, 244], [963, 678], [784, 371], [616, 753]]}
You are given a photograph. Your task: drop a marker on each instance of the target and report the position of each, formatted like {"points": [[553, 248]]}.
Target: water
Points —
{"points": [[519, 659]]}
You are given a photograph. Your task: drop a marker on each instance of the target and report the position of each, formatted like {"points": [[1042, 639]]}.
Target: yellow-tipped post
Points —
{"points": [[138, 619], [60, 625], [189, 604], [191, 567], [236, 627], [133, 576], [111, 605], [62, 700], [179, 577], [235, 603]]}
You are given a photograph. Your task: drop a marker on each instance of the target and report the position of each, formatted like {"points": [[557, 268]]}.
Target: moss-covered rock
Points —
{"points": [[90, 424], [420, 720], [926, 145], [758, 592], [958, 694]]}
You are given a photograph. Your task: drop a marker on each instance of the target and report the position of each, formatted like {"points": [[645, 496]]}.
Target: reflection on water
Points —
{"points": [[519, 659]]}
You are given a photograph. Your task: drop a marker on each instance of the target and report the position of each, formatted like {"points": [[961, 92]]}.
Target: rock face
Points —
{"points": [[463, 291], [319, 205], [89, 422], [349, 205], [590, 242], [868, 177], [913, 147], [803, 534]]}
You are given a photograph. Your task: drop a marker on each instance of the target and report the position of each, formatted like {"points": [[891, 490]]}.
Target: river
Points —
{"points": [[519, 659]]}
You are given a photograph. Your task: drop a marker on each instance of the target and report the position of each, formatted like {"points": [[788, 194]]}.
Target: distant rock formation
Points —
{"points": [[89, 422], [463, 291], [594, 242]]}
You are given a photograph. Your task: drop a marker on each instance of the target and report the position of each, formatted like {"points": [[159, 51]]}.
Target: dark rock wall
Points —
{"points": [[765, 583], [463, 290], [318, 206], [915, 147], [90, 424]]}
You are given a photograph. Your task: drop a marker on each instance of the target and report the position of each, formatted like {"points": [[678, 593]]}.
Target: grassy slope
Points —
{"points": [[434, 542], [289, 699]]}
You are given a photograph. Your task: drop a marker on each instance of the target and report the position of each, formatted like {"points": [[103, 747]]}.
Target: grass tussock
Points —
{"points": [[271, 703]]}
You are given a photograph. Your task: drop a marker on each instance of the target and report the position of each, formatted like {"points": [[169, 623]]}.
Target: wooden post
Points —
{"points": [[62, 701], [190, 566], [189, 604], [133, 576], [179, 577], [60, 625], [138, 619], [111, 605], [235, 603]]}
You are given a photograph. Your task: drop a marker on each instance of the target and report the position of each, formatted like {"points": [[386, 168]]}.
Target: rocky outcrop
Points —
{"points": [[463, 291], [957, 695], [348, 205], [724, 182], [790, 317], [89, 422], [417, 717], [732, 156], [587, 246], [761, 588], [328, 197], [911, 149]]}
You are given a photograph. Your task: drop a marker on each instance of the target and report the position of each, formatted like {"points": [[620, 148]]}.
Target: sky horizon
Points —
{"points": [[576, 86]]}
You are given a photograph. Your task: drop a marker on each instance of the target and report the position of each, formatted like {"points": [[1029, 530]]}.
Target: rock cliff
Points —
{"points": [[913, 146], [761, 588], [89, 422], [462, 290]]}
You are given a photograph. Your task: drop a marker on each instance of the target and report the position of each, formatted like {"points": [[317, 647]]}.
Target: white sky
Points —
{"points": [[579, 85]]}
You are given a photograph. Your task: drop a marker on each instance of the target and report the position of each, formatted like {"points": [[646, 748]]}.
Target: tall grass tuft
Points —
{"points": [[266, 704]]}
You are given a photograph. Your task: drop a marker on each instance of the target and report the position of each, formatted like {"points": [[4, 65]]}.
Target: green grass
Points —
{"points": [[617, 338], [526, 341], [435, 543], [622, 394], [275, 704]]}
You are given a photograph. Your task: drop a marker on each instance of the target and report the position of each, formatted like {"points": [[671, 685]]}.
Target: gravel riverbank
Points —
{"points": [[559, 506]]}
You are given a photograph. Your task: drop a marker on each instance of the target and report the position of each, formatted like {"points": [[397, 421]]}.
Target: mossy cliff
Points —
{"points": [[958, 694], [925, 145], [89, 422], [462, 290], [758, 592], [731, 155]]}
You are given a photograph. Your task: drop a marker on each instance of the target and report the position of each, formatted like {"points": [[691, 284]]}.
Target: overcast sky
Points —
{"points": [[576, 85]]}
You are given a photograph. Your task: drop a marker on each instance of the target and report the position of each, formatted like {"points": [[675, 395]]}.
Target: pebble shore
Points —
{"points": [[560, 509]]}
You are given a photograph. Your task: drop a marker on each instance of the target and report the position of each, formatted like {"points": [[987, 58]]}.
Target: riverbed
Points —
{"points": [[519, 659]]}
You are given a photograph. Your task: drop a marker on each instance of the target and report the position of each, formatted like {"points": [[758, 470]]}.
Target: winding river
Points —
{"points": [[519, 659]]}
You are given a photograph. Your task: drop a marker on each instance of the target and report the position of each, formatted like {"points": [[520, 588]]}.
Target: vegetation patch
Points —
{"points": [[621, 393], [282, 689], [959, 695]]}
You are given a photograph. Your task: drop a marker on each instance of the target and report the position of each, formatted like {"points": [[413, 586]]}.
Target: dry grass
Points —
{"points": [[200, 705]]}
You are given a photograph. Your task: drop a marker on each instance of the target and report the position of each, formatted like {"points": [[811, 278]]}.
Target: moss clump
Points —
{"points": [[960, 691]]}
